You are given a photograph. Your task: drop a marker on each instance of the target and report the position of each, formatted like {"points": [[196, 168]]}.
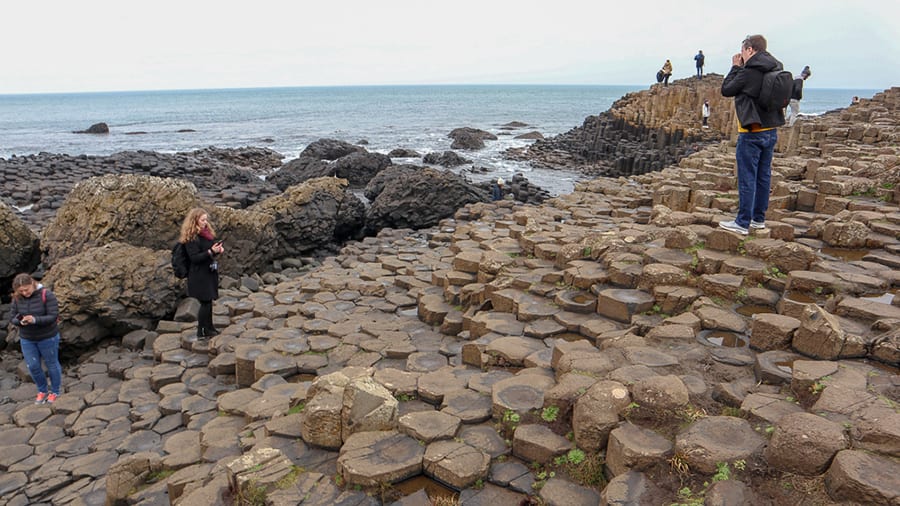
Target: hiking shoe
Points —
{"points": [[732, 226], [757, 224], [41, 398], [51, 398]]}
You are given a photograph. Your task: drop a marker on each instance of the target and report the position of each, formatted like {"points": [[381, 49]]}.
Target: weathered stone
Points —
{"points": [[804, 443], [634, 448], [370, 458], [456, 464], [715, 439]]}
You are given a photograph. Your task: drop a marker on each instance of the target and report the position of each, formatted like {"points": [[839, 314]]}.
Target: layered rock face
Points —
{"points": [[19, 246], [642, 132]]}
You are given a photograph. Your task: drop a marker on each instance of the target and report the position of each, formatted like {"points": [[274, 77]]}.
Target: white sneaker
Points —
{"points": [[757, 224], [732, 226]]}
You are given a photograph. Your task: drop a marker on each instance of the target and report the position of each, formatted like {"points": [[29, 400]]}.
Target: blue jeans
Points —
{"points": [[754, 167], [47, 349]]}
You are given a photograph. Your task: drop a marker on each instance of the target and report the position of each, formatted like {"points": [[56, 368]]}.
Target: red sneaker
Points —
{"points": [[41, 398], [51, 398]]}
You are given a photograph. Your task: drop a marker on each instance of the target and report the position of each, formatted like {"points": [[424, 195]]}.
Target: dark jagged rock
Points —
{"points": [[377, 183], [446, 159], [467, 141], [19, 247], [96, 128], [330, 149], [467, 131], [417, 199], [360, 168], [535, 135], [404, 153], [298, 170]]}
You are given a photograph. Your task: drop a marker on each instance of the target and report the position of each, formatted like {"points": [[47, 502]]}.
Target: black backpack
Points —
{"points": [[775, 92], [180, 260]]}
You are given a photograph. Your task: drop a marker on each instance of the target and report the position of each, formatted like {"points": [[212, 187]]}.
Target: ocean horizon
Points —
{"points": [[287, 119]]}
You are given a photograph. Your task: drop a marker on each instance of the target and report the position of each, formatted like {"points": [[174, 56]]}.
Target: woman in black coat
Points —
{"points": [[202, 248]]}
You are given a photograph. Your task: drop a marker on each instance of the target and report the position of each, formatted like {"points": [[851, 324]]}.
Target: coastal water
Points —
{"points": [[287, 119]]}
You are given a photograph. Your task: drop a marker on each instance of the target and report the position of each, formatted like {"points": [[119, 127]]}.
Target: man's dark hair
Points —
{"points": [[757, 42]]}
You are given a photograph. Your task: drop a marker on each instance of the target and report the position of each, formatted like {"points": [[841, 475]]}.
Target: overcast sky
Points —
{"points": [[106, 45]]}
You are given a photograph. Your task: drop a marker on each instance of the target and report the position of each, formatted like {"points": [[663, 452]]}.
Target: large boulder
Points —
{"points": [[420, 199], [377, 183], [112, 289], [299, 170], [446, 159], [148, 211], [19, 246], [308, 215], [139, 210], [359, 168], [330, 149], [96, 128]]}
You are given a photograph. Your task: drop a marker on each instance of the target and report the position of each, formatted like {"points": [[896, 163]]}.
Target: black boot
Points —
{"points": [[211, 332], [201, 333]]}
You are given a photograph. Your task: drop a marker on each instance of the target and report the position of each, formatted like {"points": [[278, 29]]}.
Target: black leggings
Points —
{"points": [[204, 315]]}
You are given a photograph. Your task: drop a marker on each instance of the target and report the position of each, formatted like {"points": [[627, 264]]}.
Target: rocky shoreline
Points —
{"points": [[608, 346]]}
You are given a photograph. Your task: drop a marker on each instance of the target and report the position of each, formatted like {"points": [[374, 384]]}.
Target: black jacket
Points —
{"points": [[203, 283], [743, 83], [797, 92], [45, 315]]}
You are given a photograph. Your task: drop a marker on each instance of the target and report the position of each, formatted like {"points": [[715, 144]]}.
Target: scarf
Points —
{"points": [[206, 233]]}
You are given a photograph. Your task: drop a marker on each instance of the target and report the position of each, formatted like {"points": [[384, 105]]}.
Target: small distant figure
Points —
{"points": [[497, 190], [854, 101], [706, 113], [667, 72], [699, 58], [797, 95]]}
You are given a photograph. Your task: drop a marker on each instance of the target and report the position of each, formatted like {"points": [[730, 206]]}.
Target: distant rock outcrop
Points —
{"points": [[96, 128], [445, 159]]}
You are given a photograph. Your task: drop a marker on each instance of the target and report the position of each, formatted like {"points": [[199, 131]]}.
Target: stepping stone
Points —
{"points": [[621, 304], [511, 351], [492, 495], [398, 382], [769, 407], [456, 464], [467, 405], [633, 487], [544, 328], [274, 363], [861, 477], [597, 413], [537, 443], [805, 444], [262, 468], [425, 361], [245, 363], [222, 364], [486, 438], [429, 426], [370, 458], [650, 357], [502, 473], [716, 439], [561, 491], [165, 374], [31, 416], [484, 382], [634, 448], [519, 394], [434, 385]]}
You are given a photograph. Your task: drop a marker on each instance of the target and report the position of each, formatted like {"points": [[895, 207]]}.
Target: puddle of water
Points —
{"points": [[885, 298], [723, 338], [752, 309], [847, 255], [799, 297], [785, 366], [437, 493]]}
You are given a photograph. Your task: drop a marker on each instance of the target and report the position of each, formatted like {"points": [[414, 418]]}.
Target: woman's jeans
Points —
{"points": [[48, 350], [754, 154]]}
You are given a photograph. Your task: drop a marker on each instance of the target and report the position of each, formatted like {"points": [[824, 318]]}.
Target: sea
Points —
{"points": [[286, 120]]}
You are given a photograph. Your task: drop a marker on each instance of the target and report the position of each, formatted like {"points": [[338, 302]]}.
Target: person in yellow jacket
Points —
{"points": [[667, 72]]}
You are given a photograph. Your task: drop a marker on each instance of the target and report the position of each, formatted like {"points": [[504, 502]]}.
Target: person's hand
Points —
{"points": [[27, 319], [737, 60], [218, 248]]}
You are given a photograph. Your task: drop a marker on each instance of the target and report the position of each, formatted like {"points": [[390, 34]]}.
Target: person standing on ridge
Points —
{"points": [[706, 113], [202, 248], [757, 132], [699, 58], [35, 311], [797, 95], [667, 72]]}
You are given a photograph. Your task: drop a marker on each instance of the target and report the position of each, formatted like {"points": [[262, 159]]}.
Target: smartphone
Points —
{"points": [[220, 241]]}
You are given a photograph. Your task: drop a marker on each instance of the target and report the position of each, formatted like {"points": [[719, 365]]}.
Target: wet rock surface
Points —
{"points": [[356, 370]]}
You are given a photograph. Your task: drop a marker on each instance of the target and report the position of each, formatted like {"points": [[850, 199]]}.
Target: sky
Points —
{"points": [[111, 45]]}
